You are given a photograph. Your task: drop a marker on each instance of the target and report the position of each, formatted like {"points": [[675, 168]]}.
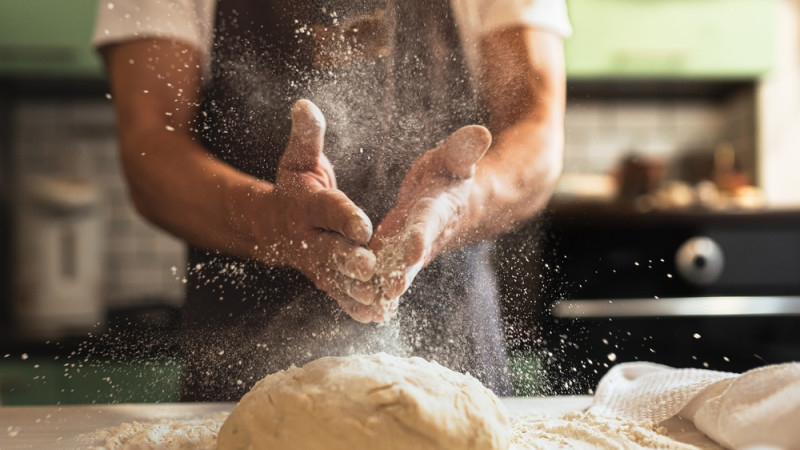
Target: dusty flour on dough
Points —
{"points": [[197, 434], [367, 402]]}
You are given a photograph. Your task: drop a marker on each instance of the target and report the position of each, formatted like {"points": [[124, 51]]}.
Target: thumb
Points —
{"points": [[464, 148], [307, 137]]}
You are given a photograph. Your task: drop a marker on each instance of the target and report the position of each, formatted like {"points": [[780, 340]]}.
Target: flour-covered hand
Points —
{"points": [[321, 232], [431, 205]]}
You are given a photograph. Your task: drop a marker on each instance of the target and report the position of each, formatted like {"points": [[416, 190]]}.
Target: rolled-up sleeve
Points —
{"points": [[188, 21], [478, 17]]}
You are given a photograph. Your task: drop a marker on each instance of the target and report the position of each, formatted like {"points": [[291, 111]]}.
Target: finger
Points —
{"points": [[394, 284], [408, 252], [337, 286], [427, 221], [397, 282], [331, 209], [306, 138], [389, 229], [390, 272], [426, 224], [343, 265], [398, 275], [359, 312], [366, 293], [464, 148], [354, 261], [385, 309], [340, 286]]}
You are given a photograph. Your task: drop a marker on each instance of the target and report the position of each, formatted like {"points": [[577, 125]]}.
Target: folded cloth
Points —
{"points": [[758, 407]]}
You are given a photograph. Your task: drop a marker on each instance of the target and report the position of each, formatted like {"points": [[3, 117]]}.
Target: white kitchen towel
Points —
{"points": [[758, 407]]}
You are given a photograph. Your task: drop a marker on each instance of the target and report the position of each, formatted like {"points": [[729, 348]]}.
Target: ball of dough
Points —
{"points": [[367, 402]]}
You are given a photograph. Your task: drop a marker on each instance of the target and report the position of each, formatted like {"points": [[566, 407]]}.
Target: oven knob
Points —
{"points": [[700, 260]]}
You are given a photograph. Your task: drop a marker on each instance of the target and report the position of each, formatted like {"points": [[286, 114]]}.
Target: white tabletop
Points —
{"points": [[54, 427]]}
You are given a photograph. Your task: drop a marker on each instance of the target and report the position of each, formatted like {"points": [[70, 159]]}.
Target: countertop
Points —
{"points": [[69, 427], [53, 427]]}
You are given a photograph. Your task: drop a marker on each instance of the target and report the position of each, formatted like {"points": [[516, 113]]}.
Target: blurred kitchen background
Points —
{"points": [[674, 235]]}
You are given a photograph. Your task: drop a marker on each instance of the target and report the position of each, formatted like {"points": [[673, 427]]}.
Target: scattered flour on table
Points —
{"points": [[578, 430], [573, 430], [166, 434]]}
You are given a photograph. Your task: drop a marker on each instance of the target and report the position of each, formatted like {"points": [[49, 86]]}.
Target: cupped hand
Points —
{"points": [[319, 230], [432, 202]]}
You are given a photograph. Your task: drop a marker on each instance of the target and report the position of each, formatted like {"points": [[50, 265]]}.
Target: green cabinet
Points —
{"points": [[34, 381], [49, 381], [155, 381], [671, 38], [48, 38]]}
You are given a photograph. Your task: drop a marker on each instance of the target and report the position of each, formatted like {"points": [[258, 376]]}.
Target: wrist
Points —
{"points": [[474, 221], [250, 208]]}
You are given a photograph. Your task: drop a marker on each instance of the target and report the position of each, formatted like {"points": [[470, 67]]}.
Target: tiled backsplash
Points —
{"points": [[78, 138], [600, 133]]}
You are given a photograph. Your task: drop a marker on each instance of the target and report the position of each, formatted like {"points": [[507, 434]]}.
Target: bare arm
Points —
{"points": [[523, 84], [301, 221], [173, 180], [460, 193]]}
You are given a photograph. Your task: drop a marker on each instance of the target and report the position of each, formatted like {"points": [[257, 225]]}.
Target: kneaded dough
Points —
{"points": [[367, 402]]}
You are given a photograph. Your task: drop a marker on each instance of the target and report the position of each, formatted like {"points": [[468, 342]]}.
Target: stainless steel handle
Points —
{"points": [[679, 307]]}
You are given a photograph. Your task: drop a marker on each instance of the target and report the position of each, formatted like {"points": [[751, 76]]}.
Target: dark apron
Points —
{"points": [[385, 104]]}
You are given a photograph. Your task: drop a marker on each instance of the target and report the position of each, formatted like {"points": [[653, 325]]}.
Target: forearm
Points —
{"points": [[524, 89], [175, 183], [515, 179]]}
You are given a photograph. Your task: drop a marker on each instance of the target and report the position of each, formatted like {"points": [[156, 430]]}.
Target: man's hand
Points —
{"points": [[454, 195], [320, 231], [431, 205]]}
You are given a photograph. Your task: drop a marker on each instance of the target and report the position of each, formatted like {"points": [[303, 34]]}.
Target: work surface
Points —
{"points": [[69, 427], [52, 427]]}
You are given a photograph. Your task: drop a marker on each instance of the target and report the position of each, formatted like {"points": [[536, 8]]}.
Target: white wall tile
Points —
{"points": [[599, 134], [138, 255]]}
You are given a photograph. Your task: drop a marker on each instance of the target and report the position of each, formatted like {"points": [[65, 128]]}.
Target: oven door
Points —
{"points": [[688, 289]]}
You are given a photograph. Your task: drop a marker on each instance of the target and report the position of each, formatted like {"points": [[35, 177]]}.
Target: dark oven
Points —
{"points": [[718, 290]]}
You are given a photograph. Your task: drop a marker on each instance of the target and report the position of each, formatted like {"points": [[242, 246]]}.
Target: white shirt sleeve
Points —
{"points": [[189, 21], [478, 17]]}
